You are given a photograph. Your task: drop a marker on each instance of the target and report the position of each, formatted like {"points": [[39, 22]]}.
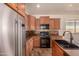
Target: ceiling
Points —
{"points": [[52, 8]]}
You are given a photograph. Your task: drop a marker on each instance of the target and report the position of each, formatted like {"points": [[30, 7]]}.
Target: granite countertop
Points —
{"points": [[72, 52], [30, 36], [55, 37]]}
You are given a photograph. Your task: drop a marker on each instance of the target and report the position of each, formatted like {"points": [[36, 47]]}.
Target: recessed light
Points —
{"points": [[37, 5]]}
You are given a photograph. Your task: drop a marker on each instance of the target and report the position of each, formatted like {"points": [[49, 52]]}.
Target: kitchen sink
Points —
{"points": [[66, 44], [62, 42]]}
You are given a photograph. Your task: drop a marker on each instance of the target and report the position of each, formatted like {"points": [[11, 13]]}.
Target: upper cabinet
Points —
{"points": [[12, 5], [44, 20], [18, 7], [51, 23], [37, 24], [21, 7], [55, 23], [32, 22]]}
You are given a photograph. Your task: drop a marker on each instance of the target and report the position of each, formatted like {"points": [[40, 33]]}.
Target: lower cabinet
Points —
{"points": [[36, 42], [29, 46], [56, 51], [33, 42]]}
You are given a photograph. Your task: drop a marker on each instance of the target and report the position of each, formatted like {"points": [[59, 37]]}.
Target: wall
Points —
{"points": [[63, 18]]}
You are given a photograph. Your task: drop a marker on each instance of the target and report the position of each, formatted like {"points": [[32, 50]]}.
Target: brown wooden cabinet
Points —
{"points": [[44, 20], [29, 46], [51, 23], [37, 24], [18, 7], [31, 22], [36, 42], [56, 50], [55, 23], [21, 7]]}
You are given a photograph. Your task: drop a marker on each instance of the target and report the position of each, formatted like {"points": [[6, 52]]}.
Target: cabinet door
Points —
{"points": [[21, 7], [57, 23], [44, 20], [36, 42], [54, 23], [58, 52], [32, 22], [51, 23], [53, 49], [29, 46], [27, 49], [18, 7], [37, 24], [12, 5]]}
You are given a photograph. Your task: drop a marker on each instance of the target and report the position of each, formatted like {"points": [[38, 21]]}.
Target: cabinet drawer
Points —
{"points": [[29, 46]]}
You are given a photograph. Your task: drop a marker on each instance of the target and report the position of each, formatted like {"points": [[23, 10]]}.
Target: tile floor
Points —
{"points": [[42, 52]]}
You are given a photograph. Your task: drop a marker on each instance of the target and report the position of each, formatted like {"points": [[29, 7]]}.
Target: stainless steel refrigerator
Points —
{"points": [[12, 34]]}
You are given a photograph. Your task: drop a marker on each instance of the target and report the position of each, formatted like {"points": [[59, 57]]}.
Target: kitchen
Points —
{"points": [[40, 29]]}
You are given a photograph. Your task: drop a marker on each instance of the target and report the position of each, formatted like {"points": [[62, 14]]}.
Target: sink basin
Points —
{"points": [[66, 44], [62, 42], [71, 46]]}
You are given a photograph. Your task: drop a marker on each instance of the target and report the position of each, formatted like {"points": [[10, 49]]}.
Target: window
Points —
{"points": [[72, 26], [77, 26]]}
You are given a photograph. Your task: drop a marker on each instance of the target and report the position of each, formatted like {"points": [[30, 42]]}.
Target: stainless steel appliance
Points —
{"points": [[11, 32]]}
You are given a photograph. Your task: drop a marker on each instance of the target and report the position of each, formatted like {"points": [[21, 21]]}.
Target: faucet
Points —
{"points": [[71, 37]]}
